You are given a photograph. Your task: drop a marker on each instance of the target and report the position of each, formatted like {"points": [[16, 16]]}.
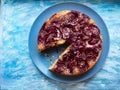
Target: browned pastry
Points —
{"points": [[84, 37]]}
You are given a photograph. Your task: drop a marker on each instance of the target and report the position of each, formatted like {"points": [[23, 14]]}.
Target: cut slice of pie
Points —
{"points": [[78, 30]]}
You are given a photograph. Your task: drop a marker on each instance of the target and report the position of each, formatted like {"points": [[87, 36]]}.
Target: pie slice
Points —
{"points": [[82, 35]]}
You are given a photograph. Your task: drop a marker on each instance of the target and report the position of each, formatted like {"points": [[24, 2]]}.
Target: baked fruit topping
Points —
{"points": [[78, 30]]}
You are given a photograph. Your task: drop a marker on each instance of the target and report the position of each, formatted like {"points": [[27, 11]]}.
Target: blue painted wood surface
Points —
{"points": [[17, 70]]}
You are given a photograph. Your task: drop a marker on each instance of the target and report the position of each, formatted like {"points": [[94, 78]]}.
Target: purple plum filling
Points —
{"points": [[77, 30]]}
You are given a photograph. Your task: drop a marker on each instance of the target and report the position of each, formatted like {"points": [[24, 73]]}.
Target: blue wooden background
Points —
{"points": [[17, 70]]}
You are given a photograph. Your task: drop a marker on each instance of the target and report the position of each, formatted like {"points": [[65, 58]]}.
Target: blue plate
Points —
{"points": [[42, 62]]}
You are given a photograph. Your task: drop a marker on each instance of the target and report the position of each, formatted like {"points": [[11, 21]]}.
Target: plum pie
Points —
{"points": [[80, 32]]}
